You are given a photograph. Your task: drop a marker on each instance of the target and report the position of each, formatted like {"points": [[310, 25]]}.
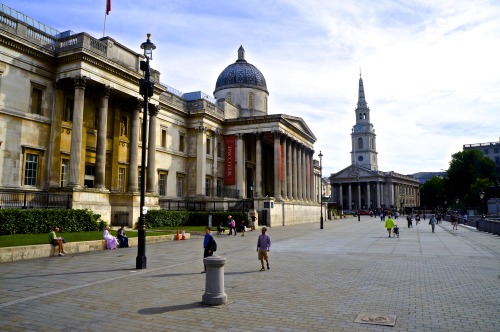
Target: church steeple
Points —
{"points": [[364, 148], [361, 94]]}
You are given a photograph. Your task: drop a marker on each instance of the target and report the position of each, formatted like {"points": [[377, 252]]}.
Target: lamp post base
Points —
{"points": [[140, 262], [321, 223]]}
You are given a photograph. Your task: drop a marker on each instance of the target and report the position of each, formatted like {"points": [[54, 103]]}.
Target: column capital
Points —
{"points": [[139, 104], [80, 81], [107, 91], [277, 133], [153, 111], [239, 135], [258, 135]]}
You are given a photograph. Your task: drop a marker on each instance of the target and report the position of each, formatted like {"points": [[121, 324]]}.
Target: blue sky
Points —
{"points": [[430, 68]]}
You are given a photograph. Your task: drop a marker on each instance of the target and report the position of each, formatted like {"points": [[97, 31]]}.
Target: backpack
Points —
{"points": [[214, 245]]}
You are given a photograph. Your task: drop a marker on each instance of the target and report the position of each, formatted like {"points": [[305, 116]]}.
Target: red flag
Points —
{"points": [[108, 6]]}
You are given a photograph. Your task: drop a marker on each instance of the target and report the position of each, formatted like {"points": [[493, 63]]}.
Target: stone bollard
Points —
{"points": [[214, 283]]}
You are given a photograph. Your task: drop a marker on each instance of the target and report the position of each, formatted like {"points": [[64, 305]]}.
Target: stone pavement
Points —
{"points": [[320, 280]]}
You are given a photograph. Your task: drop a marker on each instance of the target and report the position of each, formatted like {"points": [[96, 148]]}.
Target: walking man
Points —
{"points": [[263, 247], [432, 222]]}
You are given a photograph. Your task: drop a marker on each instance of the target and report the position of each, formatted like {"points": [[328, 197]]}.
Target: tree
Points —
{"points": [[470, 172], [432, 193]]}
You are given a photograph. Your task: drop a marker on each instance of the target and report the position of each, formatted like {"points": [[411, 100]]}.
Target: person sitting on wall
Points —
{"points": [[220, 229], [122, 237], [111, 241], [57, 241]]}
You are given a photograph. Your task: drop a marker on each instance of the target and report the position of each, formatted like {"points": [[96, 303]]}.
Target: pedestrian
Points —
{"points": [[465, 219], [425, 216], [57, 241], [409, 219], [417, 219], [389, 224], [233, 226], [454, 221], [230, 224], [208, 243], [263, 247], [432, 222]]}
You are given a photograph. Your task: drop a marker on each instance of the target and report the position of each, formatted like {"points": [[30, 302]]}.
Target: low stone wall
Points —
{"points": [[12, 254]]}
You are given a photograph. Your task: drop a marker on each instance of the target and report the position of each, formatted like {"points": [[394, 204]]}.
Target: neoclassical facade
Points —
{"points": [[71, 119], [362, 185]]}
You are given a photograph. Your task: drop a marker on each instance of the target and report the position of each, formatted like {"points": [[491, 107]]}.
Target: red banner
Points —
{"points": [[230, 177], [108, 6]]}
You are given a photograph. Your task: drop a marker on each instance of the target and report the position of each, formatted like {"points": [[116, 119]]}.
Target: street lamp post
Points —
{"points": [[146, 90], [321, 189], [359, 198], [481, 196]]}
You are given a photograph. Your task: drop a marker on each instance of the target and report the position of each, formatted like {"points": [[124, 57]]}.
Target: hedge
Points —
{"points": [[39, 221], [167, 218]]}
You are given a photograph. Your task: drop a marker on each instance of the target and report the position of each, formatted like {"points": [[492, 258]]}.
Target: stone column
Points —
{"points": [[295, 173], [359, 196], [277, 183], [258, 165], [299, 172], [151, 168], [310, 175], [341, 196], [215, 165], [240, 165], [368, 195], [133, 181], [289, 167], [201, 159], [102, 125], [76, 132], [349, 190], [284, 186], [304, 174], [378, 194], [54, 171], [382, 198]]}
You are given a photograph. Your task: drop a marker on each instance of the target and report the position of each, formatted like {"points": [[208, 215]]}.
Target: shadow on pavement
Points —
{"points": [[65, 273], [162, 310]]}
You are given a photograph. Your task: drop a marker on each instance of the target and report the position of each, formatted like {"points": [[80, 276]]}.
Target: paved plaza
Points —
{"points": [[320, 280]]}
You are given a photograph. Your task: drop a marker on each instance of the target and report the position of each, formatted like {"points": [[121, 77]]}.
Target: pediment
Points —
{"points": [[352, 173], [299, 125]]}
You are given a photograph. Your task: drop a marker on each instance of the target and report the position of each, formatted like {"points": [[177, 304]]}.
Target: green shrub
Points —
{"points": [[168, 218], [38, 221]]}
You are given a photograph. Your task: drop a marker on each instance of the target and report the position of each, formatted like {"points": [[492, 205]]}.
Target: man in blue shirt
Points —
{"points": [[207, 246]]}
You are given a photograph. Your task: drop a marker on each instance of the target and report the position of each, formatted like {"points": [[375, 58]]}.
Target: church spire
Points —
{"points": [[361, 94]]}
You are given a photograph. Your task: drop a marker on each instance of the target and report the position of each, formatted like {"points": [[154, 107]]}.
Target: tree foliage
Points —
{"points": [[470, 172], [432, 193]]}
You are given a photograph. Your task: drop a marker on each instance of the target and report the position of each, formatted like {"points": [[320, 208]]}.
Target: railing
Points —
{"points": [[34, 200], [207, 205]]}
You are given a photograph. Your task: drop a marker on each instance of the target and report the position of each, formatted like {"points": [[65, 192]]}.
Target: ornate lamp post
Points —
{"points": [[146, 90], [321, 188]]}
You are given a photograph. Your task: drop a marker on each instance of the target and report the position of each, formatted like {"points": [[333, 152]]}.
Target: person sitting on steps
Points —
{"points": [[57, 241]]}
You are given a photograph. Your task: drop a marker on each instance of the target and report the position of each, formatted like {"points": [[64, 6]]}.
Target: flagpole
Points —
{"points": [[105, 14]]}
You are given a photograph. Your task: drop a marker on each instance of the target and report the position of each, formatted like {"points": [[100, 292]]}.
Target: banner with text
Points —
{"points": [[230, 176]]}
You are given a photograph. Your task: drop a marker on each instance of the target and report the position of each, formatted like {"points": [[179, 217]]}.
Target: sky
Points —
{"points": [[430, 68]]}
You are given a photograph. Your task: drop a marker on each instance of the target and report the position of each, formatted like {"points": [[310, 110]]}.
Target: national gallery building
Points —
{"points": [[361, 185], [71, 117]]}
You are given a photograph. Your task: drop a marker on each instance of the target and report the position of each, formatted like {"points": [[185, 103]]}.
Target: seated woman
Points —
{"points": [[122, 237], [220, 229], [111, 241]]}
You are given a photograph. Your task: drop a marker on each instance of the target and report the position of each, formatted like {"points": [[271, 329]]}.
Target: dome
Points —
{"points": [[241, 74]]}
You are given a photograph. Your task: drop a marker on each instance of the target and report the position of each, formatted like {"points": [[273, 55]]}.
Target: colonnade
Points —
{"points": [[384, 194], [76, 150]]}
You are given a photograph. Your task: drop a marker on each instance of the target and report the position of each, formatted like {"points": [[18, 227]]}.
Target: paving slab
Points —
{"points": [[320, 280]]}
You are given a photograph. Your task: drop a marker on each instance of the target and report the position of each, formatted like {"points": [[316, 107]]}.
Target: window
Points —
{"points": [[124, 126], [364, 116], [250, 100], [360, 116], [162, 184], [219, 148], [360, 143], [208, 186], [180, 184], [89, 176], [265, 104], [229, 97], [373, 144], [36, 100], [164, 138], [209, 141], [219, 188], [181, 142], [486, 151], [31, 169], [64, 172], [121, 179], [68, 109], [139, 179], [495, 150]]}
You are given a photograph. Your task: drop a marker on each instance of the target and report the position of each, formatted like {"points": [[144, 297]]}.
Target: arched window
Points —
{"points": [[364, 116], [360, 143], [360, 116], [228, 97], [250, 100], [373, 143]]}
